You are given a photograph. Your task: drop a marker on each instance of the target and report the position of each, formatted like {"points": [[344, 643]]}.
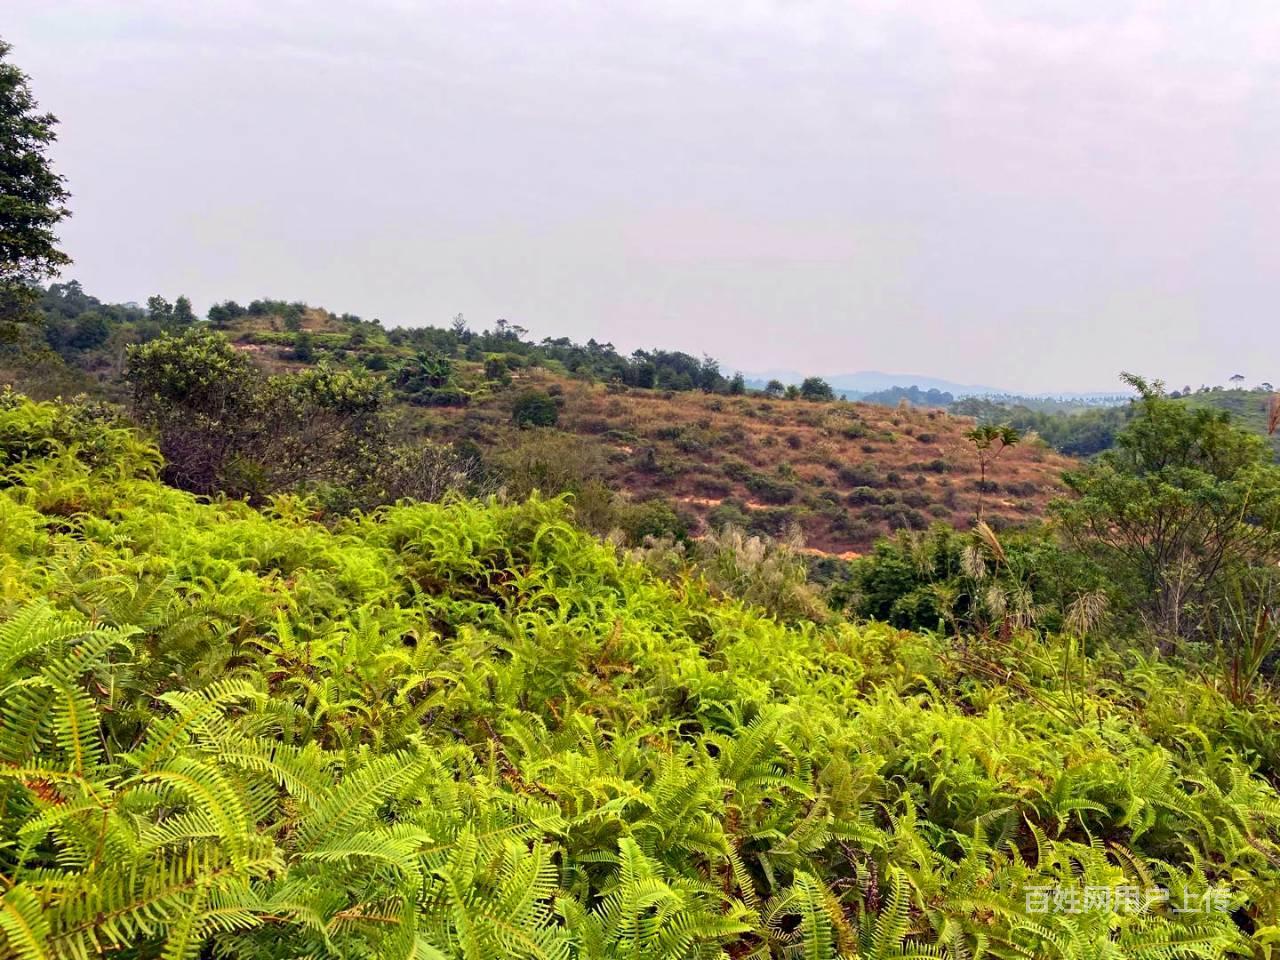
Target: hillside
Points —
{"points": [[662, 429], [473, 731], [844, 473]]}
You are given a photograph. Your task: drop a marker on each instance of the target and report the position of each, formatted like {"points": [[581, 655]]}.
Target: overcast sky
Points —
{"points": [[1028, 194]]}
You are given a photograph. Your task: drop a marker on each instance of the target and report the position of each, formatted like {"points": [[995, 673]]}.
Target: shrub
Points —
{"points": [[914, 498], [440, 397], [652, 519], [862, 496], [860, 475], [548, 462], [770, 490], [711, 486], [535, 409]]}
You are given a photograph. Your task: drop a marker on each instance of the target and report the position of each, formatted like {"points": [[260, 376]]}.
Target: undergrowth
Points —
{"points": [[470, 730]]}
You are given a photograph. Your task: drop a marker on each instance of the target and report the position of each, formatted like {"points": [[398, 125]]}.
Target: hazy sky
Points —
{"points": [[1030, 194]]}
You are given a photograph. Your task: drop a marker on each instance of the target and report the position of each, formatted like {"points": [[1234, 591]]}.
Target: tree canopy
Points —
{"points": [[1182, 503], [32, 196]]}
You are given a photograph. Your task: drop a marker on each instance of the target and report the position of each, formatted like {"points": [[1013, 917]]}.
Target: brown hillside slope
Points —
{"points": [[846, 473]]}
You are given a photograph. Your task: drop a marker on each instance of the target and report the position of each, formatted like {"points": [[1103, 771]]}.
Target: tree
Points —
{"points": [[91, 331], [221, 314], [182, 312], [32, 196], [815, 388], [989, 441], [423, 372], [1237, 378], [737, 385], [775, 388], [304, 347], [1184, 504], [159, 310]]}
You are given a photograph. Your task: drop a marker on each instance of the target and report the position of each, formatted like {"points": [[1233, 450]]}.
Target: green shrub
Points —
{"points": [[771, 490], [860, 475], [535, 409]]}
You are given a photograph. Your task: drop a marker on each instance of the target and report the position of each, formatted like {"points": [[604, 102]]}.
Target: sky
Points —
{"points": [[1033, 194]]}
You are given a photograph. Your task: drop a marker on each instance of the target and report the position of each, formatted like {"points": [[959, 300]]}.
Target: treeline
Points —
{"points": [[643, 369], [892, 396], [82, 330]]}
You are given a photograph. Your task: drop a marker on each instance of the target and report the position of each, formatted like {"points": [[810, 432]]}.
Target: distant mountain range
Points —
{"points": [[855, 385]]}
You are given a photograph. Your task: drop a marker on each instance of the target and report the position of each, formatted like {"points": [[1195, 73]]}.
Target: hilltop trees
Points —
{"points": [[815, 388], [32, 197], [170, 315]]}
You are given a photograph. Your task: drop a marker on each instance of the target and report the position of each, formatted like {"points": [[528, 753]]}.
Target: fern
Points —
{"points": [[468, 730]]}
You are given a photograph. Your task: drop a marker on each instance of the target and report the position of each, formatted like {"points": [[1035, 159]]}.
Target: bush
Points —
{"points": [[770, 490], [440, 397], [535, 409], [548, 462], [651, 519], [496, 369], [860, 475], [711, 486], [863, 496], [914, 498]]}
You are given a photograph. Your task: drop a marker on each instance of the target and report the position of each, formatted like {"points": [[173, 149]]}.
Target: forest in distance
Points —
{"points": [[323, 638]]}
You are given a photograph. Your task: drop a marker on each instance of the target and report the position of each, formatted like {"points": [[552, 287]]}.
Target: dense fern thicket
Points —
{"points": [[470, 730]]}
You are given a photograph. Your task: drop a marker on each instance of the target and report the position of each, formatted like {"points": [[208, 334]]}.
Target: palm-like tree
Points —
{"points": [[990, 440]]}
